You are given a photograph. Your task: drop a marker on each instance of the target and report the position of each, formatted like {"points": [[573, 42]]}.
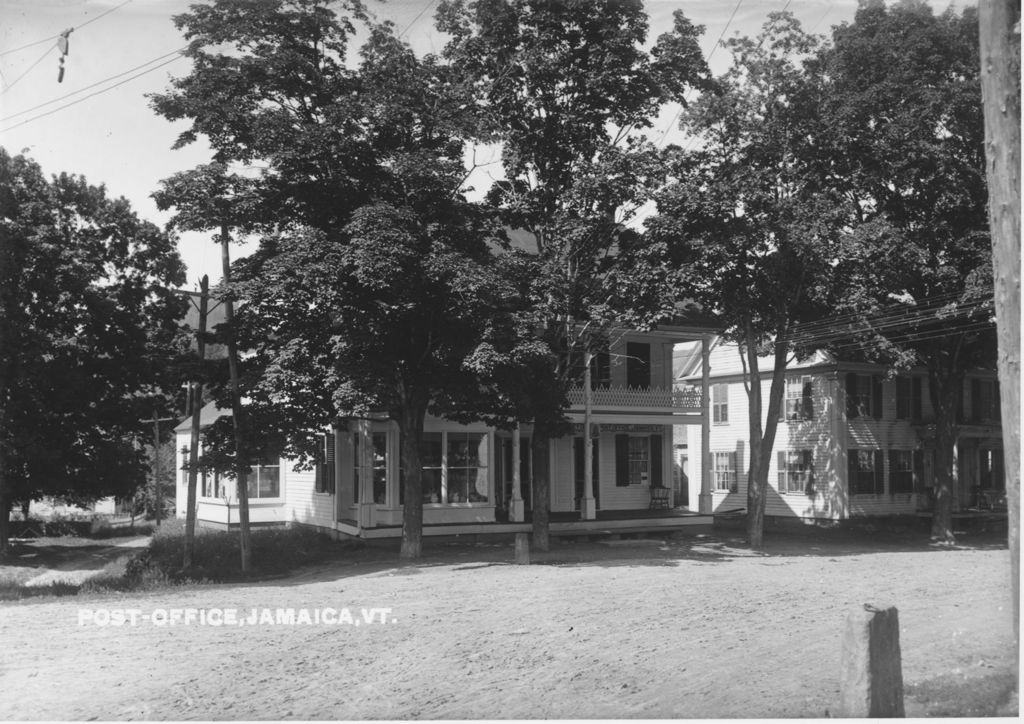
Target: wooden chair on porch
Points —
{"points": [[659, 498]]}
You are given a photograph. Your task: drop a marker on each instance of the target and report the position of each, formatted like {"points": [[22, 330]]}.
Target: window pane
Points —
{"points": [[431, 485], [269, 481]]}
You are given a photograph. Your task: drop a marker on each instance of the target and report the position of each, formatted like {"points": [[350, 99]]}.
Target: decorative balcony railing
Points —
{"points": [[685, 398]]}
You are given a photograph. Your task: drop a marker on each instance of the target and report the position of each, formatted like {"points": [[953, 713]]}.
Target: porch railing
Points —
{"points": [[684, 398]]}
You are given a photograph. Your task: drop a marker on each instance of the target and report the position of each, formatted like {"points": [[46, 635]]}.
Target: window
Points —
{"points": [[325, 470], [864, 472], [263, 481], [908, 398], [799, 402], [723, 472], [466, 481], [600, 368], [863, 396], [638, 460], [985, 401], [379, 463], [455, 467], [991, 474], [906, 470], [638, 365], [796, 471], [720, 404]]}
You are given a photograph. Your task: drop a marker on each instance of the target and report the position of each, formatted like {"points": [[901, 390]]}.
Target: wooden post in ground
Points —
{"points": [[522, 549], [999, 36], [871, 677], [157, 493]]}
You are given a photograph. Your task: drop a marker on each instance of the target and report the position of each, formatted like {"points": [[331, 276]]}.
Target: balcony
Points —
{"points": [[684, 399]]}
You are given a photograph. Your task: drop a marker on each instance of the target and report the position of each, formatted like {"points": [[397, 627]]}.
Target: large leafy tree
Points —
{"points": [[88, 325], [906, 149], [751, 227], [372, 293], [566, 90]]}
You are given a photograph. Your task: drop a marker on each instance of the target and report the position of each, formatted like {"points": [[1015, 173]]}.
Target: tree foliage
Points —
{"points": [[751, 226], [906, 149], [88, 324], [565, 89]]}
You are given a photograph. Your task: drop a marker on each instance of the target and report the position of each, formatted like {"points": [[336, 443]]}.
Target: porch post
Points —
{"points": [[367, 506], [338, 472], [588, 506], [704, 504], [517, 512]]}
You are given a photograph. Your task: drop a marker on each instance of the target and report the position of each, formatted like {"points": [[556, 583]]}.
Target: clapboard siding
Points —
{"points": [[304, 504]]}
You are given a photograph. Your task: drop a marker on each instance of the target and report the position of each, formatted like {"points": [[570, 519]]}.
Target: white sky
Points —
{"points": [[113, 138]]}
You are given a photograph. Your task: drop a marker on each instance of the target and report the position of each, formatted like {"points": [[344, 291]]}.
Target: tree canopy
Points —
{"points": [[88, 325]]}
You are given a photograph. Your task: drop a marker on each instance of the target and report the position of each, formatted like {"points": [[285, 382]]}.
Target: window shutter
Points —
{"points": [[808, 398], [809, 471], [915, 398], [918, 471], [621, 461], [851, 395], [577, 458], [891, 454], [976, 411], [781, 457], [851, 472], [879, 471], [656, 479], [876, 397]]}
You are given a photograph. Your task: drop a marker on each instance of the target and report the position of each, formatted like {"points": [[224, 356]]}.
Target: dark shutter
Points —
{"points": [[656, 451], [915, 399], [852, 470], [879, 471], [621, 461], [808, 398], [977, 414], [891, 454], [638, 365], [852, 409], [876, 397], [783, 485], [602, 375], [918, 456], [809, 471]]}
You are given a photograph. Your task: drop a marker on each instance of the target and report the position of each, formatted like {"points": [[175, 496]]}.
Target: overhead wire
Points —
{"points": [[54, 37], [91, 95], [27, 70], [92, 85]]}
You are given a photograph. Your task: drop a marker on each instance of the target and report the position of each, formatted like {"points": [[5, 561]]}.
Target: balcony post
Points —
{"points": [[588, 506], [704, 500], [517, 512]]}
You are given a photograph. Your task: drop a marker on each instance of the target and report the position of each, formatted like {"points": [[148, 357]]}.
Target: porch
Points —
{"points": [[607, 522]]}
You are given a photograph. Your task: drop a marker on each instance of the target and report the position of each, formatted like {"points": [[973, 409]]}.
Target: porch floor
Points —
{"points": [[562, 523]]}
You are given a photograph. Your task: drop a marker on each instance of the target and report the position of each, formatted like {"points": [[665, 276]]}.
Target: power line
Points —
{"points": [[418, 16], [54, 37], [104, 90], [710, 56], [27, 70], [93, 85]]}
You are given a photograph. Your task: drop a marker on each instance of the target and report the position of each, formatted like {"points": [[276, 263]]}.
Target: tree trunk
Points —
{"points": [[5, 507], [410, 425], [762, 439], [945, 388], [241, 464], [999, 31], [193, 440], [540, 445], [26, 504]]}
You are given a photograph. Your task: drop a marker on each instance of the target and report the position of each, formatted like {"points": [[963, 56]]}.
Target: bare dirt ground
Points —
{"points": [[690, 627]]}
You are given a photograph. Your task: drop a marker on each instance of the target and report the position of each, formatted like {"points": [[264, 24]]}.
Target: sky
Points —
{"points": [[98, 123]]}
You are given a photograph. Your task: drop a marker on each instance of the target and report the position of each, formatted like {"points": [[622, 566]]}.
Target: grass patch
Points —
{"points": [[957, 695], [216, 555]]}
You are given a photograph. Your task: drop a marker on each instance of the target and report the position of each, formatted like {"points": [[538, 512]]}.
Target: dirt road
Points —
{"points": [[680, 628]]}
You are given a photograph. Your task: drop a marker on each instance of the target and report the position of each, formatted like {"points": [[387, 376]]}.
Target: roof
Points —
{"points": [[207, 416]]}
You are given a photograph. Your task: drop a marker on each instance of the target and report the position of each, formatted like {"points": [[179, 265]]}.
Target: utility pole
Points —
{"points": [[999, 35], [196, 397], [241, 464], [157, 491]]}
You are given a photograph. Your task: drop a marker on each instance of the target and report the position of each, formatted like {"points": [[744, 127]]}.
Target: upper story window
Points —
{"points": [[985, 405], [908, 398], [863, 395], [638, 365], [600, 368], [799, 399], [720, 403]]}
